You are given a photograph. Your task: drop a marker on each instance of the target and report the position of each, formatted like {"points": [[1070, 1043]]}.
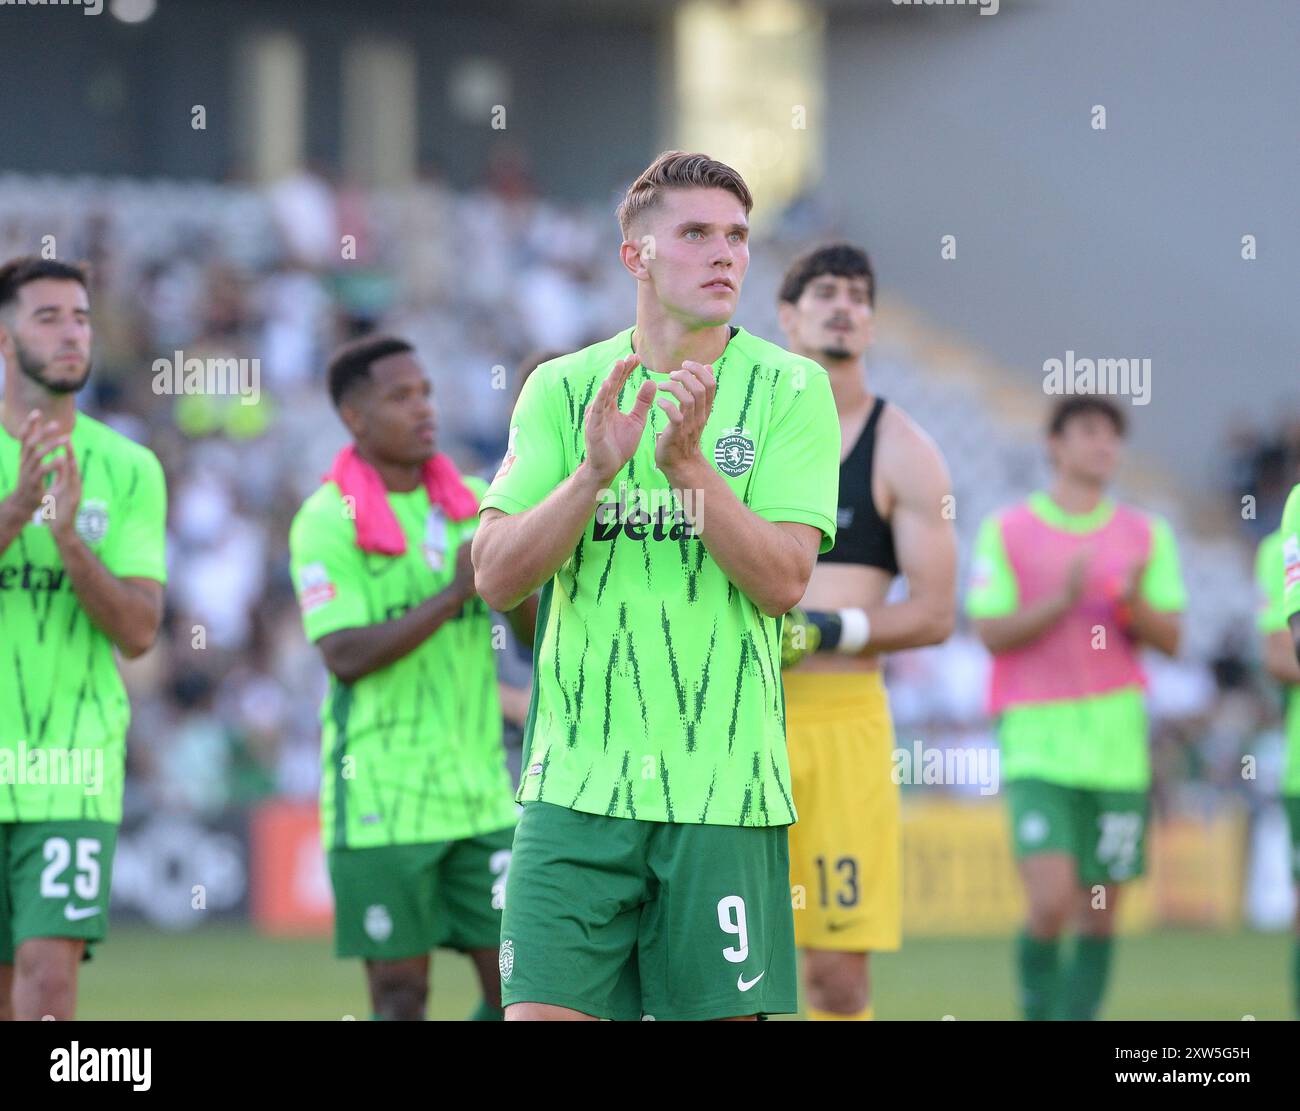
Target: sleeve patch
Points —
{"points": [[1291, 559], [314, 587], [510, 456]]}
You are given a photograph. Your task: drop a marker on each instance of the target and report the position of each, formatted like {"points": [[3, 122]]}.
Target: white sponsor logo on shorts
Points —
{"points": [[379, 924], [745, 985], [499, 866], [506, 959], [1034, 827], [76, 914]]}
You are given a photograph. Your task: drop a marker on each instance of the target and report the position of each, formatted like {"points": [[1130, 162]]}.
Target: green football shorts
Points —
{"points": [[1292, 804], [54, 881], [397, 901], [626, 919], [1105, 831]]}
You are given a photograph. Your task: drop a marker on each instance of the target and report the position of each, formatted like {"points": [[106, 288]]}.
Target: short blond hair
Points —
{"points": [[677, 169]]}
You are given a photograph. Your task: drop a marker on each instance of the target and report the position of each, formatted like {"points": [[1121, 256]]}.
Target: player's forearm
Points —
{"points": [[1015, 630], [766, 564], [11, 524], [1160, 631], [515, 554], [352, 654], [912, 623], [120, 610]]}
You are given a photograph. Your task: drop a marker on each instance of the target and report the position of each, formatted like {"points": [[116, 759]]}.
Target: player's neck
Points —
{"points": [[398, 478], [1074, 496], [22, 396], [663, 343], [848, 379]]}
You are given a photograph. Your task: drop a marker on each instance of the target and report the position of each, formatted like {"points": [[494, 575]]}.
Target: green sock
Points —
{"points": [[485, 1013], [1295, 976], [1085, 979], [1039, 965]]}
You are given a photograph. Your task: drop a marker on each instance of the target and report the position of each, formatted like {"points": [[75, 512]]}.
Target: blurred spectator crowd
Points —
{"points": [[225, 707], [1263, 465]]}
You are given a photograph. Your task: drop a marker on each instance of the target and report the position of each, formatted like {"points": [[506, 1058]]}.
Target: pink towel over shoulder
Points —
{"points": [[377, 527]]}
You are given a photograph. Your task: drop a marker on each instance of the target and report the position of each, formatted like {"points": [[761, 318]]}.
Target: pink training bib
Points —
{"points": [[1087, 652]]}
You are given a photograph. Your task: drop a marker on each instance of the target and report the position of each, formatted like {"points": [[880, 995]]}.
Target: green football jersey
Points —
{"points": [[410, 753], [1290, 531], [1270, 580], [63, 708], [656, 683]]}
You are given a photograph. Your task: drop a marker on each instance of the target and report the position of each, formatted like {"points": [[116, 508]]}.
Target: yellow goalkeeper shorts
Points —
{"points": [[846, 848]]}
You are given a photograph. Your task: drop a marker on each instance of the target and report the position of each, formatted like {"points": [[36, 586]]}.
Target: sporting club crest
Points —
{"points": [[733, 454], [92, 521]]}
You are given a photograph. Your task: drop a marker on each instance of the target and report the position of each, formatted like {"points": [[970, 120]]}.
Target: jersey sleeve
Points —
{"points": [[328, 571], [993, 589], [534, 461], [798, 476], [137, 548], [1162, 582], [1291, 554], [1269, 586]]}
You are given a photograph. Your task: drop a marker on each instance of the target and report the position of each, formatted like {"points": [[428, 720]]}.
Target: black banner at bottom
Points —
{"points": [[364, 1059]]}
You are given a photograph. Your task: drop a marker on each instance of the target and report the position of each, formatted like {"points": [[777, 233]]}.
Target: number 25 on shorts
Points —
{"points": [[85, 879]]}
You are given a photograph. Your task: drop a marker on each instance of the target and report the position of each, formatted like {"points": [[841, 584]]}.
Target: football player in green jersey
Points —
{"points": [[416, 807], [1278, 574], [82, 527], [669, 488]]}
